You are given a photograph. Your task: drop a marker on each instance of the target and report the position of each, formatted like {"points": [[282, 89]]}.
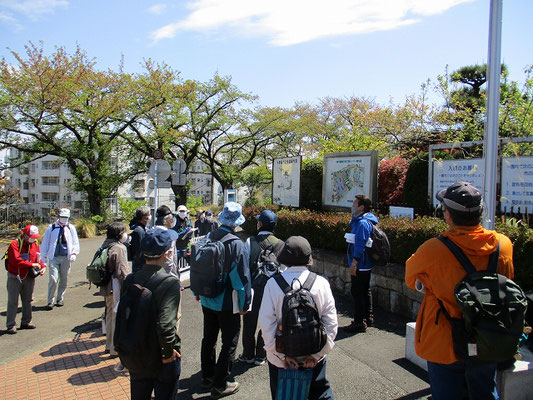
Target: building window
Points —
{"points": [[23, 170], [50, 181], [51, 164], [47, 196], [33, 167], [25, 185], [33, 183]]}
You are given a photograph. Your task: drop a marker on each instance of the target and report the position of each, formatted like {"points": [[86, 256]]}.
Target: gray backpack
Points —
{"points": [[208, 270]]}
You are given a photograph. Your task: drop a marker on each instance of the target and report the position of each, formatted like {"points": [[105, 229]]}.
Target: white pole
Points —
{"points": [[492, 108], [156, 188]]}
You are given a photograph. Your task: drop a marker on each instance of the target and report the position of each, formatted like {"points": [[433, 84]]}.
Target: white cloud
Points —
{"points": [[157, 9], [32, 9], [289, 22]]}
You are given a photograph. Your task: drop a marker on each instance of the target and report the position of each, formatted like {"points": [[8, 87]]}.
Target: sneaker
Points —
{"points": [[369, 321], [231, 387], [260, 361], [28, 326], [118, 367], [60, 303], [12, 330], [241, 358], [355, 327], [50, 306]]}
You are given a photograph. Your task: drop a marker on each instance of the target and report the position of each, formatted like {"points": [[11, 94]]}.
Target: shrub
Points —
{"points": [[326, 231], [391, 178], [311, 184], [127, 207], [415, 187], [86, 228]]}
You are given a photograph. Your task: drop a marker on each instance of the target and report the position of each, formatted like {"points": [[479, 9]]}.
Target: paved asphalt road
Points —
{"points": [[364, 366]]}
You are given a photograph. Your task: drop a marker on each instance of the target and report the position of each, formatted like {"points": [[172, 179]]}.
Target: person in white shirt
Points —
{"points": [[59, 249], [296, 255]]}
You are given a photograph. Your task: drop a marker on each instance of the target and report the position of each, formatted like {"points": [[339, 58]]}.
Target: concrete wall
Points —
{"points": [[388, 287]]}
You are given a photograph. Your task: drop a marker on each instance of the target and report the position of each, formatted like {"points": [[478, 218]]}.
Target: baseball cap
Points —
{"points": [[64, 212], [461, 196], [295, 251], [32, 231], [155, 243], [267, 218]]}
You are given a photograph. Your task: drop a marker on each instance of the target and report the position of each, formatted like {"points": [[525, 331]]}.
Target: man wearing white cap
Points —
{"points": [[59, 248]]}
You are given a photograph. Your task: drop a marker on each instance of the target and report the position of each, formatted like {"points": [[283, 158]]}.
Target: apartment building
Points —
{"points": [[45, 184]]}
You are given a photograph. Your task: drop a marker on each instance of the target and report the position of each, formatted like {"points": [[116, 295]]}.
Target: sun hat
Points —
{"points": [[64, 212], [231, 215]]}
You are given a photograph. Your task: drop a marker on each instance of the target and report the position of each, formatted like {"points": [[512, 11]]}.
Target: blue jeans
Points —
{"points": [[452, 381], [164, 383], [320, 388]]}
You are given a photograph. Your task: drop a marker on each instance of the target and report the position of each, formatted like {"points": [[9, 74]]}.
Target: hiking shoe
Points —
{"points": [[260, 361], [241, 358], [12, 330], [60, 303], [50, 306], [355, 327], [231, 387], [369, 321], [28, 326]]}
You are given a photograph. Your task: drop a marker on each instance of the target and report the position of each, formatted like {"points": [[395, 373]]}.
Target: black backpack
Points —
{"points": [[263, 259], [208, 266], [300, 331], [379, 253], [135, 338], [493, 309]]}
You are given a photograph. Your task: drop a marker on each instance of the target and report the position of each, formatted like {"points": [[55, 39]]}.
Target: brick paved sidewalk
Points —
{"points": [[73, 369]]}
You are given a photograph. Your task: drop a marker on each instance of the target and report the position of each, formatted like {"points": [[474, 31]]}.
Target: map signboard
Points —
{"points": [[517, 185], [286, 181], [347, 175], [447, 172]]}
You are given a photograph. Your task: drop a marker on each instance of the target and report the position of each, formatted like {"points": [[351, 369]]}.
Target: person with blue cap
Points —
{"points": [[218, 311], [264, 249], [156, 247]]}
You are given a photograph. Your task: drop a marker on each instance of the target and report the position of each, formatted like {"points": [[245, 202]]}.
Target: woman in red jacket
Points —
{"points": [[23, 265]]}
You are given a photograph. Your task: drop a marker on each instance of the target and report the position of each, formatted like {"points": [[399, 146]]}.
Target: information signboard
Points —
{"points": [[517, 185], [286, 181], [347, 175], [447, 172]]}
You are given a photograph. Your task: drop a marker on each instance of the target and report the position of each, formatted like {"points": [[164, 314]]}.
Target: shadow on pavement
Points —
{"points": [[104, 374], [412, 368], [68, 362], [193, 386], [95, 304], [421, 394]]}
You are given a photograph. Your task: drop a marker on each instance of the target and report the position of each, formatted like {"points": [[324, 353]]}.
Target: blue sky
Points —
{"points": [[281, 50]]}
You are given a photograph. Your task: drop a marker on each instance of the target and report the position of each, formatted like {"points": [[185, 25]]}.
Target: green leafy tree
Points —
{"points": [[256, 180], [63, 106]]}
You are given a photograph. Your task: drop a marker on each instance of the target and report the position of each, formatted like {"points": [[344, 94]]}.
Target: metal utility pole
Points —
{"points": [[490, 148]]}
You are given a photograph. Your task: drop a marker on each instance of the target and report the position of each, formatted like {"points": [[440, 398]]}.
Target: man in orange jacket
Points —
{"points": [[434, 270]]}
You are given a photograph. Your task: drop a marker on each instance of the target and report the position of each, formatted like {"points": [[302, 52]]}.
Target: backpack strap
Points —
{"points": [[155, 280], [282, 283], [308, 284]]}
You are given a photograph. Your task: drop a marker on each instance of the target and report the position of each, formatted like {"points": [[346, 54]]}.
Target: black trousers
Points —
{"points": [[229, 325], [164, 383], [253, 347], [362, 295]]}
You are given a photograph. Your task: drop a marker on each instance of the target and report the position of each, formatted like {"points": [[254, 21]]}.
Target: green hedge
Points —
{"points": [[326, 231]]}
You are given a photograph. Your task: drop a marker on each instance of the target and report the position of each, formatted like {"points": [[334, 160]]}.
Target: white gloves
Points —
{"points": [[72, 257]]}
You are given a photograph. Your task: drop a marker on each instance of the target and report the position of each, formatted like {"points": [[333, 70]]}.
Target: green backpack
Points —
{"points": [[493, 308], [97, 272]]}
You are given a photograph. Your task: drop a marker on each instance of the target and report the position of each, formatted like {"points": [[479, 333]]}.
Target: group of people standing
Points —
{"points": [[258, 300]]}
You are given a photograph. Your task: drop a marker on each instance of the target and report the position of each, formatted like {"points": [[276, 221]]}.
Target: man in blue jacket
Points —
{"points": [[360, 264], [219, 312]]}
